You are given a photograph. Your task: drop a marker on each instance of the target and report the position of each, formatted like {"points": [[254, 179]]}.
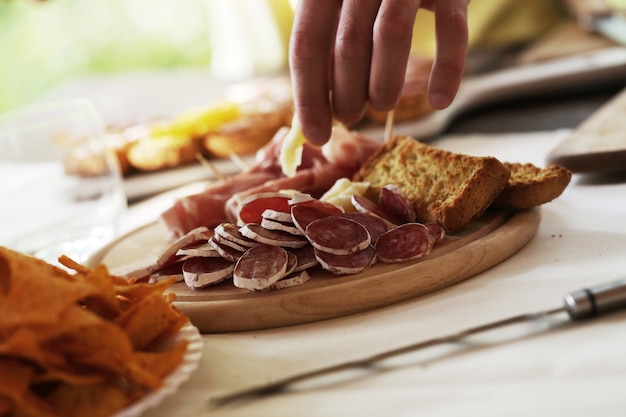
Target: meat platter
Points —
{"points": [[489, 240]]}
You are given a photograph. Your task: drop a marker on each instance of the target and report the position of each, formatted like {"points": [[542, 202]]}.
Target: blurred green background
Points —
{"points": [[46, 43]]}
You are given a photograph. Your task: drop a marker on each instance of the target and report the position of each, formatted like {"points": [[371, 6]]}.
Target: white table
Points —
{"points": [[545, 368]]}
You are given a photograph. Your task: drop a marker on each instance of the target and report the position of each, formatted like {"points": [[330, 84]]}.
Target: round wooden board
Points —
{"points": [[224, 308]]}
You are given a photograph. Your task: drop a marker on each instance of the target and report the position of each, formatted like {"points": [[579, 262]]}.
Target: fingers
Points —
{"points": [[451, 35], [311, 45], [352, 59], [392, 35]]}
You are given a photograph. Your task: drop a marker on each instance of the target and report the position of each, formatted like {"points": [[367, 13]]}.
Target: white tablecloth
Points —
{"points": [[548, 367]]}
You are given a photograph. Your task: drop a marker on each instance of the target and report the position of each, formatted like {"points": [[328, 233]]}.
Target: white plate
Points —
{"points": [[142, 185], [171, 383]]}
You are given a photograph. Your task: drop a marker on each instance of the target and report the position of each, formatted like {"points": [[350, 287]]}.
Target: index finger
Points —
{"points": [[311, 46]]}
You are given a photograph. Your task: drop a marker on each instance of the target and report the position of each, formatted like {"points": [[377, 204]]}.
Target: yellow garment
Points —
{"points": [[492, 23]]}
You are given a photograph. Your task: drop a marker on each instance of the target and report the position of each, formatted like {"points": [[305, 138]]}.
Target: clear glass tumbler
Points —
{"points": [[61, 190]]}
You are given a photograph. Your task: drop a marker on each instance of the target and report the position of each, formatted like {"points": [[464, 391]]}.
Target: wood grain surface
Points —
{"points": [[490, 240], [599, 143]]}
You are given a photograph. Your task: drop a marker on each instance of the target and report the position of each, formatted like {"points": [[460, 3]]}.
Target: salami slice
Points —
{"points": [[347, 264], [404, 243], [306, 213], [393, 201], [169, 254], [288, 227], [279, 216], [173, 271], [251, 209], [231, 232], [260, 267], [273, 237], [291, 280], [436, 232], [226, 252], [374, 225], [225, 242], [306, 257], [198, 249], [202, 272], [365, 205], [338, 235]]}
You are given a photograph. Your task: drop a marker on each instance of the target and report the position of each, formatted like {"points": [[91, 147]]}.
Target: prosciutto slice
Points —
{"points": [[320, 168]]}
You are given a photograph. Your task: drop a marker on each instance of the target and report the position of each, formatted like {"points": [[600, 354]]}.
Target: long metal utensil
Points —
{"points": [[579, 305]]}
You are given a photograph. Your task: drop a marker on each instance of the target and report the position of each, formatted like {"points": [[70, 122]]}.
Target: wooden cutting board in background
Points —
{"points": [[599, 143]]}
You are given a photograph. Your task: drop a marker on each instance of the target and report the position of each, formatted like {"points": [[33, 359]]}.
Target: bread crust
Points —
{"points": [[445, 187], [530, 186]]}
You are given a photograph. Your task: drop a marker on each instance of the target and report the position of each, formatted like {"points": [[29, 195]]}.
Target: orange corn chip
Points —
{"points": [[82, 343]]}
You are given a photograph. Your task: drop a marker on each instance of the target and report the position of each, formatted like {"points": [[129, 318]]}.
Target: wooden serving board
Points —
{"points": [[599, 143], [491, 239]]}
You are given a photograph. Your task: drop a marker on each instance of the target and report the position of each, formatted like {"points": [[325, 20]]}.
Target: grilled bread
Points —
{"points": [[444, 187], [530, 186]]}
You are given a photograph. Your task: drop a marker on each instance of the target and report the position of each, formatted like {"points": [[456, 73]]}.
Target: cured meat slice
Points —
{"points": [[173, 271], [198, 249], [291, 280], [201, 272], [196, 235], [436, 232], [404, 243], [292, 263], [288, 227], [306, 213], [396, 204], [231, 232], [251, 209], [365, 205], [338, 235], [226, 252], [347, 264], [375, 225], [272, 237], [226, 242], [260, 267], [279, 216], [306, 257]]}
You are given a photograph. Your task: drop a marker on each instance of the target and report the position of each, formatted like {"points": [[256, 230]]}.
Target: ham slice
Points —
{"points": [[341, 157]]}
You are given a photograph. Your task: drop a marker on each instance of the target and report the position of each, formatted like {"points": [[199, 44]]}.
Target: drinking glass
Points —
{"points": [[61, 190]]}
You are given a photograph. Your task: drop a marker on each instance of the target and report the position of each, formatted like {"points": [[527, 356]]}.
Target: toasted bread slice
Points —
{"points": [[444, 187], [530, 186]]}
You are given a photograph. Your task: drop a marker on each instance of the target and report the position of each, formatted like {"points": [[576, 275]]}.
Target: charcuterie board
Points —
{"points": [[491, 239]]}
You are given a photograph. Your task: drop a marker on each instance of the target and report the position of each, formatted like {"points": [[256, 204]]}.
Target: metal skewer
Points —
{"points": [[583, 304]]}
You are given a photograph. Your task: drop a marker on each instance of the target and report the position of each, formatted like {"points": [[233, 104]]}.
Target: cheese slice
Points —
{"points": [[290, 156]]}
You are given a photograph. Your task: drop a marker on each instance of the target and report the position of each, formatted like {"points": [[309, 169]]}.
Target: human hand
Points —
{"points": [[345, 54]]}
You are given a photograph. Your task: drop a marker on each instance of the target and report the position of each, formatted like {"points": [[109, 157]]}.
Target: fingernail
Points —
{"points": [[439, 100]]}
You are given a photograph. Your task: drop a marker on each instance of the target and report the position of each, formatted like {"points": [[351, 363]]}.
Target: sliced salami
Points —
{"points": [[260, 267], [232, 232], [375, 225], [226, 252], [288, 227], [396, 204], [347, 264], [279, 216], [306, 213], [251, 209], [173, 271], [273, 237], [292, 263], [201, 272], [198, 249], [338, 235], [225, 242], [291, 280], [196, 235], [436, 232], [365, 205], [404, 243], [306, 257]]}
